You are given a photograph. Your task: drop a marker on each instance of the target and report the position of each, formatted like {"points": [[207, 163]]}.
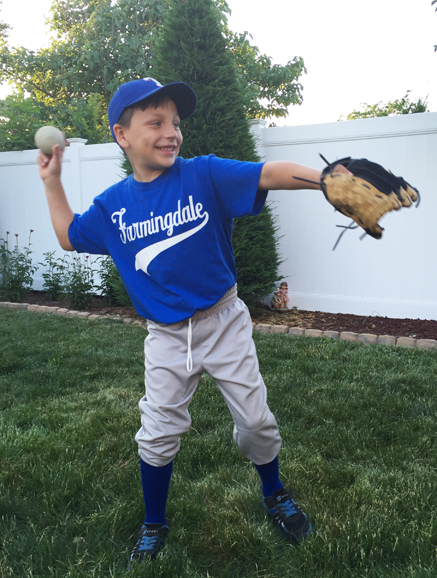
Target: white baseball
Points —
{"points": [[48, 136]]}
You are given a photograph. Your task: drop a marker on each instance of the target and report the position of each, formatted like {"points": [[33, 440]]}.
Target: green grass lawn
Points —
{"points": [[360, 437]]}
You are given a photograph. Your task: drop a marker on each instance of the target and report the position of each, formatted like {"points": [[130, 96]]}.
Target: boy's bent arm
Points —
{"points": [[280, 175], [60, 210]]}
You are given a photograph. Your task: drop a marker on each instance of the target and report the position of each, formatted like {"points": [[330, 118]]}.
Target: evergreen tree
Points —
{"points": [[192, 48]]}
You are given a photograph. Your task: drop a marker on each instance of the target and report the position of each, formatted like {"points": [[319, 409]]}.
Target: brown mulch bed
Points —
{"points": [[417, 328]]}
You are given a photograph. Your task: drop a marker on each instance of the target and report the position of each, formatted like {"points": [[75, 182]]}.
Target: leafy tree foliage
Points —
{"points": [[191, 47], [99, 44], [21, 117], [395, 107], [269, 89]]}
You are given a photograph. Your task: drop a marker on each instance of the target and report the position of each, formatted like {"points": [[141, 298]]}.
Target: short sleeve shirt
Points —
{"points": [[171, 239]]}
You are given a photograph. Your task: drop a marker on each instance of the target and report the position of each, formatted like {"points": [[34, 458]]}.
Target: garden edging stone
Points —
{"points": [[364, 338]]}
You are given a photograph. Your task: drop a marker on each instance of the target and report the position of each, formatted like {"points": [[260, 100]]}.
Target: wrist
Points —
{"points": [[53, 184]]}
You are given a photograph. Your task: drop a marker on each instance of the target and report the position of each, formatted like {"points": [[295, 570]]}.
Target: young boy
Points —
{"points": [[168, 228]]}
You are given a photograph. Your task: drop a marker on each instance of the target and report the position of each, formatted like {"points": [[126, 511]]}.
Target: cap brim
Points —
{"points": [[183, 96]]}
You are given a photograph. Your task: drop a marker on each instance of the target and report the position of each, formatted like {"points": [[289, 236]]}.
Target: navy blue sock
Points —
{"points": [[155, 491], [269, 474]]}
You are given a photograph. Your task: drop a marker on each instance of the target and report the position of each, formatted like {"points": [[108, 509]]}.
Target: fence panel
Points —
{"points": [[395, 276]]}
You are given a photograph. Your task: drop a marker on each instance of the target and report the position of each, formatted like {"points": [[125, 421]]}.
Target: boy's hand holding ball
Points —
{"points": [[48, 136], [49, 162]]}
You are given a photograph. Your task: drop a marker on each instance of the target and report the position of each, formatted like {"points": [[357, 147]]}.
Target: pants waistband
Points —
{"points": [[228, 298]]}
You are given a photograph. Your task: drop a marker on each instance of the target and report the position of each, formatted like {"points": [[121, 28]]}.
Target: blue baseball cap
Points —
{"points": [[181, 94]]}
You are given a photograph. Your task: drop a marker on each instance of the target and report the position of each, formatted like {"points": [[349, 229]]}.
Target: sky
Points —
{"points": [[355, 52]]}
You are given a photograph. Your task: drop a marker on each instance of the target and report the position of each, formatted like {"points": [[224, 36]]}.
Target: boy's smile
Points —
{"points": [[152, 140]]}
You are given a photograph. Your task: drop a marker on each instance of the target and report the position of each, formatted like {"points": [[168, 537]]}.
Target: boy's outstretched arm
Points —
{"points": [[60, 210], [280, 175]]}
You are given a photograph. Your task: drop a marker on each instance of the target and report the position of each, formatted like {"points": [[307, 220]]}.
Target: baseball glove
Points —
{"points": [[366, 195]]}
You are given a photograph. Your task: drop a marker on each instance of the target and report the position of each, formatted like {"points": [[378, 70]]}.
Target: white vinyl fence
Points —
{"points": [[86, 172], [394, 277]]}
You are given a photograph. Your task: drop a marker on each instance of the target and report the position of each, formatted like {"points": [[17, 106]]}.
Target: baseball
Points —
{"points": [[48, 136]]}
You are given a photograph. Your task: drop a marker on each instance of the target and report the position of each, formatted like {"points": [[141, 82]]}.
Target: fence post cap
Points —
{"points": [[77, 141]]}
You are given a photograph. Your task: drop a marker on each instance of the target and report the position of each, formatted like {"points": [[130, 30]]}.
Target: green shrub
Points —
{"points": [[16, 270], [78, 281], [54, 276], [112, 287], [70, 277], [255, 245]]}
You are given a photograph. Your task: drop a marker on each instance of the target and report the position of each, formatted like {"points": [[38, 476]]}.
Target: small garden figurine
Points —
{"points": [[276, 299], [280, 297], [284, 295]]}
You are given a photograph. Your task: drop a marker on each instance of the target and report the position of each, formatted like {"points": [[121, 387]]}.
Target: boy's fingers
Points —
{"points": [[57, 154], [52, 161], [42, 159], [55, 151], [342, 169]]}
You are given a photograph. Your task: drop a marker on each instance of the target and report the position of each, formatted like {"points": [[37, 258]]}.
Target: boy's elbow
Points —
{"points": [[61, 228], [66, 247], [65, 243]]}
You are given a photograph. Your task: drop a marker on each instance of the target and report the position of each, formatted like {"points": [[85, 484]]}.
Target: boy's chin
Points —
{"points": [[165, 161]]}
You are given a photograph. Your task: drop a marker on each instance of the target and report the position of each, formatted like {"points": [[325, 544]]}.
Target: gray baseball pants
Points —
{"points": [[218, 342]]}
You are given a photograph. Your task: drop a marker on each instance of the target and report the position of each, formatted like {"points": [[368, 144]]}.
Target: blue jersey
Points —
{"points": [[171, 239]]}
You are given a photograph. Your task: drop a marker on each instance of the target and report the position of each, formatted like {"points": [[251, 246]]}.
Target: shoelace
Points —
{"points": [[148, 543], [288, 508]]}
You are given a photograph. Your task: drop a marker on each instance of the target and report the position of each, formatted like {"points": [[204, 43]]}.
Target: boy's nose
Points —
{"points": [[171, 132]]}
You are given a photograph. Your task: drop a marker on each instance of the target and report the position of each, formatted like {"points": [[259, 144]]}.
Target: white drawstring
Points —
{"points": [[189, 355]]}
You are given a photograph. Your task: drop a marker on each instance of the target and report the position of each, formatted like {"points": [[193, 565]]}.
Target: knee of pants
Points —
{"points": [[261, 445], [157, 452], [159, 437]]}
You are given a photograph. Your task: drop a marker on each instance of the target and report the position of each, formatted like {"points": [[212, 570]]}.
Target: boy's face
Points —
{"points": [[152, 140]]}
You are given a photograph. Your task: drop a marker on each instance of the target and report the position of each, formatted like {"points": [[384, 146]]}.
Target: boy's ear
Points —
{"points": [[120, 135]]}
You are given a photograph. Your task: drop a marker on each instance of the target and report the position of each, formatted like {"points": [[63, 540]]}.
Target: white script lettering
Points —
{"points": [[158, 223]]}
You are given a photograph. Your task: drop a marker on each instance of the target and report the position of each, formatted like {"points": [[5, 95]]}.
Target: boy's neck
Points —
{"points": [[147, 176]]}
